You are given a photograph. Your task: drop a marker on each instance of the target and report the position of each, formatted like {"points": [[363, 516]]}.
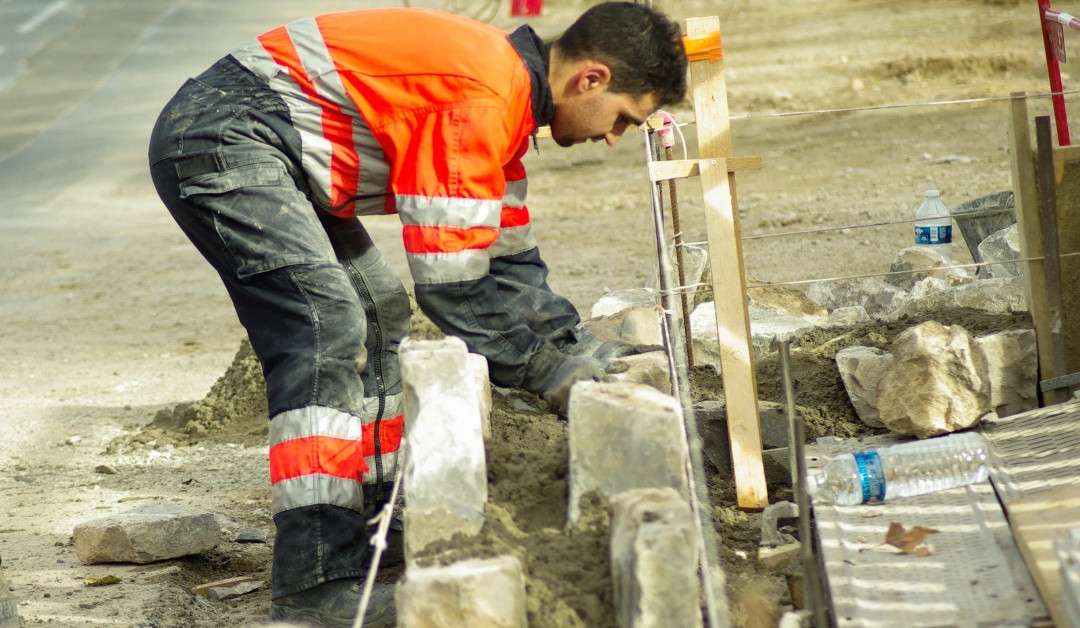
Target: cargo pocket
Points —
{"points": [[262, 218]]}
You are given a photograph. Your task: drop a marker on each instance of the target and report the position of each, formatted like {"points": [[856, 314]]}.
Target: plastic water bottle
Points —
{"points": [[933, 225], [924, 466]]}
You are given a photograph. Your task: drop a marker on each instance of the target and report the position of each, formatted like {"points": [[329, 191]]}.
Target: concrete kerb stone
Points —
{"points": [[654, 560], [445, 473], [479, 378], [487, 593], [622, 437]]}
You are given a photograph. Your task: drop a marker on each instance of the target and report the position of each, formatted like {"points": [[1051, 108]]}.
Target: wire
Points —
{"points": [[760, 236], [378, 540]]}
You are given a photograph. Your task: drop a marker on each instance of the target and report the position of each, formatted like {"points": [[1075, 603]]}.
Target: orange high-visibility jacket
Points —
{"points": [[428, 114]]}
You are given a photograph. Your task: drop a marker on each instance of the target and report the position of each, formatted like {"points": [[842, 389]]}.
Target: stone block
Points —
{"points": [[639, 324], [716, 445], [654, 560], [874, 294], [445, 473], [936, 384], [766, 325], [481, 382], [926, 259], [615, 301], [145, 535], [1013, 368], [623, 437], [861, 369], [696, 258], [650, 369], [1000, 295], [1000, 247], [847, 316], [486, 593]]}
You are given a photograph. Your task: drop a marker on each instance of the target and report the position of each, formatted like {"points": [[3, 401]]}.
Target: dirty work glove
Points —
{"points": [[552, 373], [613, 349]]}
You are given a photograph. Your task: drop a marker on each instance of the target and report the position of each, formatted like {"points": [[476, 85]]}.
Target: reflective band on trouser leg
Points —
{"points": [[320, 455], [391, 429]]}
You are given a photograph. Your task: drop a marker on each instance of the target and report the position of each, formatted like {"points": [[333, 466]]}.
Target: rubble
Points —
{"points": [[623, 437], [926, 258], [936, 384], [654, 561], [145, 535], [861, 369], [1013, 369], [488, 593], [445, 471], [1001, 246]]}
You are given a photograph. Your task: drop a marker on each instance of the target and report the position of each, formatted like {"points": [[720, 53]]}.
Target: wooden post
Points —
{"points": [[1026, 195], [728, 276], [1051, 263]]}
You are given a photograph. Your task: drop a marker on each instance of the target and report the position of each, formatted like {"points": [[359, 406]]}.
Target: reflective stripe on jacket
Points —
{"points": [[425, 114]]}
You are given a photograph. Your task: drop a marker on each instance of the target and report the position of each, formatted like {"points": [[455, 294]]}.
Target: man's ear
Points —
{"points": [[592, 75]]}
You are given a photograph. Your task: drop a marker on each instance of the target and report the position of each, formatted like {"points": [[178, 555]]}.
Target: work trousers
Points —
{"points": [[324, 312]]}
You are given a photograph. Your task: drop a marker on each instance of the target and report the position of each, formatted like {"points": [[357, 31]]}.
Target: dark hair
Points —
{"points": [[643, 48]]}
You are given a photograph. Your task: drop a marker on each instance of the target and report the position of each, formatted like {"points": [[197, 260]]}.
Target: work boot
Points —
{"points": [[334, 604]]}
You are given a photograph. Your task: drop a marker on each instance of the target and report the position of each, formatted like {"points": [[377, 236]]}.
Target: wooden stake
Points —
{"points": [[728, 276], [1052, 263], [1026, 196]]}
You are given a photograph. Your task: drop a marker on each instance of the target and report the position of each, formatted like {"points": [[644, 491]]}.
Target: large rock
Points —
{"points": [[874, 294], [997, 296], [623, 437], [1013, 363], [446, 472], [654, 561], [145, 535], [1000, 247], [861, 369], [649, 368], [639, 324], [937, 384], [486, 593], [926, 259], [616, 301]]}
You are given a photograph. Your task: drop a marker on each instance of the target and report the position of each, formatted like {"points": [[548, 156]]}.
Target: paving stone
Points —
{"points": [[624, 436], [145, 535], [486, 593], [654, 561], [1013, 366], [937, 384], [861, 369], [650, 369], [445, 473], [478, 376]]}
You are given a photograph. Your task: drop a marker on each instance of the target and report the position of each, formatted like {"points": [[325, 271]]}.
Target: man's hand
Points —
{"points": [[552, 373]]}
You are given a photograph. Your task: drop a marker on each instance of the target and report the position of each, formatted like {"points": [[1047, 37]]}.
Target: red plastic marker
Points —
{"points": [[527, 8], [1054, 46]]}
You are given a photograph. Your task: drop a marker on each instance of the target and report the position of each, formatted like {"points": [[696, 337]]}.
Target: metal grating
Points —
{"points": [[974, 577], [1035, 451]]}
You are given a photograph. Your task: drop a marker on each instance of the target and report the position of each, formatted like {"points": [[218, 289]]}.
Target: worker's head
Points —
{"points": [[616, 65]]}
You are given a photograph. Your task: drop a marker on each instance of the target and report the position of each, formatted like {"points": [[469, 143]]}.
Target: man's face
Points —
{"points": [[595, 113]]}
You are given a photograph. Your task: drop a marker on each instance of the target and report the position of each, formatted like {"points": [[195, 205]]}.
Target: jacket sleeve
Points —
{"points": [[448, 186], [519, 270]]}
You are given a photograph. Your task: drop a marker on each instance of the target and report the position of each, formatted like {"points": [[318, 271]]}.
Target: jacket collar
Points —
{"points": [[535, 54]]}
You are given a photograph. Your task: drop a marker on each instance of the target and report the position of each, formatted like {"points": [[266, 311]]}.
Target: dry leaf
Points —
{"points": [[909, 541]]}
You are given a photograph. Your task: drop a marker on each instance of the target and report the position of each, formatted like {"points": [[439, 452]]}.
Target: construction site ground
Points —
{"points": [[108, 316]]}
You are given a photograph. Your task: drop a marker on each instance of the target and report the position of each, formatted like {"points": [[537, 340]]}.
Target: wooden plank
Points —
{"points": [[1037, 523], [1052, 263], [1030, 227], [728, 275], [686, 168]]}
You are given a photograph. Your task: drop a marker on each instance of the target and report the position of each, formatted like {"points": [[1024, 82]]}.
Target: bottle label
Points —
{"points": [[933, 235], [872, 476]]}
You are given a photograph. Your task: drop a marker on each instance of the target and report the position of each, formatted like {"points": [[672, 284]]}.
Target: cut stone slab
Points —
{"points": [[623, 437], [1013, 367], [847, 316], [486, 593], [445, 473], [926, 259], [874, 294], [228, 588], [861, 369], [639, 324], [654, 561], [937, 383], [650, 369], [1001, 247], [616, 301], [481, 382], [766, 326], [145, 535]]}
